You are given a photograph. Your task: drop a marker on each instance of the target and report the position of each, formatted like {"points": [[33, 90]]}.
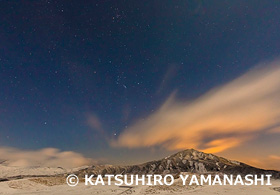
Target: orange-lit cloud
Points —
{"points": [[47, 157], [274, 157], [224, 117], [218, 145], [270, 162]]}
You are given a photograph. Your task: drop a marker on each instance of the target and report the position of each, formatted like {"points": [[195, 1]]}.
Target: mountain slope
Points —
{"points": [[189, 160]]}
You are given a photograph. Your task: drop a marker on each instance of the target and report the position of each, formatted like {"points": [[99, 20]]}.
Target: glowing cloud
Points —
{"points": [[47, 157], [274, 157], [271, 162], [224, 117]]}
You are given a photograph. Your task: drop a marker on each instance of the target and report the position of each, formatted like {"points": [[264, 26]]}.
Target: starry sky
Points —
{"points": [[78, 75]]}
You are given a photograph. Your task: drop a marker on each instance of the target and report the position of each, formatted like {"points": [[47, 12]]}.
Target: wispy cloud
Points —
{"points": [[274, 130], [271, 162], [275, 157], [168, 76], [224, 117], [47, 157], [94, 122]]}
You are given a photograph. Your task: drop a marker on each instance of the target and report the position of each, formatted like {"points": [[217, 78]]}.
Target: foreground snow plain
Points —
{"points": [[57, 186], [49, 183]]}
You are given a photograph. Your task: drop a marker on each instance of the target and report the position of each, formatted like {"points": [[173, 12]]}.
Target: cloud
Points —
{"points": [[47, 157], [223, 118], [274, 130], [168, 76], [274, 157], [94, 122], [270, 162]]}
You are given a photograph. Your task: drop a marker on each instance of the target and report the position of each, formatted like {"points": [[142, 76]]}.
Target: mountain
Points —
{"points": [[189, 160]]}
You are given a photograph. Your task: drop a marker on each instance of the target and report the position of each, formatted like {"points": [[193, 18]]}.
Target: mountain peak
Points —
{"points": [[189, 160]]}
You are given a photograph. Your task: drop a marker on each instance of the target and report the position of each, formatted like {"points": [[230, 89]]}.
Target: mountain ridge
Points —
{"points": [[189, 160]]}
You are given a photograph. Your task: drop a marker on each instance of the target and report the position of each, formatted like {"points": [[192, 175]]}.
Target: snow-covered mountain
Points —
{"points": [[189, 160]]}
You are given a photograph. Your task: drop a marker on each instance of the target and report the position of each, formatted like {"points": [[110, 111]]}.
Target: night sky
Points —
{"points": [[75, 74]]}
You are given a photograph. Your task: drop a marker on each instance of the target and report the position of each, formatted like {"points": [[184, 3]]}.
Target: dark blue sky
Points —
{"points": [[61, 61]]}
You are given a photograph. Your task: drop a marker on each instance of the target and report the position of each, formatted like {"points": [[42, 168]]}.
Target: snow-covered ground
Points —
{"points": [[31, 186], [55, 183]]}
